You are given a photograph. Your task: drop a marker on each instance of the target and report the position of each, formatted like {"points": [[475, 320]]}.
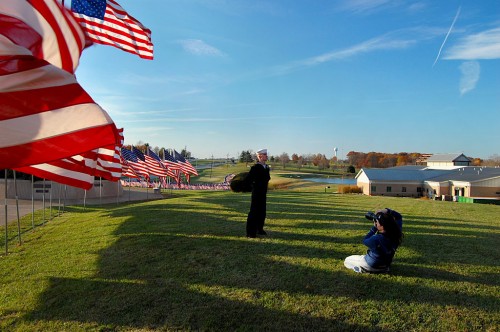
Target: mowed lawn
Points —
{"points": [[183, 263]]}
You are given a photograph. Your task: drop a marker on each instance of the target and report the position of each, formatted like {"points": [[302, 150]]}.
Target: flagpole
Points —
{"points": [[100, 190], [6, 216], [17, 207], [65, 195], [84, 199], [50, 200], [59, 203], [43, 201], [32, 201]]}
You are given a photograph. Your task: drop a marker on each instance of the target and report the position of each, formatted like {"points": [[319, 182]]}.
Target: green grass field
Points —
{"points": [[183, 263]]}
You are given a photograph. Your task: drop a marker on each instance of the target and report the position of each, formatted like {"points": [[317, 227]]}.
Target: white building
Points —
{"points": [[444, 176]]}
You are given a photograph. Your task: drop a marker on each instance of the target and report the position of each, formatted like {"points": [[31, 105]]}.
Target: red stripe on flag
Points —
{"points": [[62, 171], [36, 101], [54, 148]]}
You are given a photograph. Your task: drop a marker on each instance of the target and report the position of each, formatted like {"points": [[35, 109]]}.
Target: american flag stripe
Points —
{"points": [[46, 29], [166, 171], [154, 167], [53, 82], [186, 166], [68, 121], [48, 149], [16, 76], [103, 162], [61, 171], [133, 162], [77, 171], [127, 170], [170, 162], [108, 164], [118, 29], [145, 163]]}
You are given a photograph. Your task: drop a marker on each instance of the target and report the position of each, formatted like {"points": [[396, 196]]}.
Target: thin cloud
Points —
{"points": [[199, 47], [238, 7], [470, 76], [484, 45], [362, 6], [374, 44], [446, 37], [225, 119], [368, 7]]}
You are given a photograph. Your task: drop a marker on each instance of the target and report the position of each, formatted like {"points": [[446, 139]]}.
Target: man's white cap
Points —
{"points": [[262, 151]]}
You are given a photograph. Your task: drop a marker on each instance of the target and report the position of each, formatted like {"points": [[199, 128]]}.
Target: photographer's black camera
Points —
{"points": [[371, 216]]}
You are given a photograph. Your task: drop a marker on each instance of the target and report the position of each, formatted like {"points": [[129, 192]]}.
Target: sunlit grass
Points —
{"points": [[183, 263]]}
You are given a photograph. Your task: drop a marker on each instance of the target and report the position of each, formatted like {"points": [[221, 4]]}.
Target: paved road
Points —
{"points": [[27, 206]]}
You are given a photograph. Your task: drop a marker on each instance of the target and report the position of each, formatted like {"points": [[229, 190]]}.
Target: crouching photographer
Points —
{"points": [[382, 241]]}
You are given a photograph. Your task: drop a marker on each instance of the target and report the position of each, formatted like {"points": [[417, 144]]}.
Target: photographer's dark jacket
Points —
{"points": [[381, 249]]}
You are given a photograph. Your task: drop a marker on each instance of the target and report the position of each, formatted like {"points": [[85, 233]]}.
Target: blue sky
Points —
{"points": [[307, 76]]}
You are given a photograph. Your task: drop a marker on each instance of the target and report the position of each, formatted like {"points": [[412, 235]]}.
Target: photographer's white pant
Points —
{"points": [[359, 264]]}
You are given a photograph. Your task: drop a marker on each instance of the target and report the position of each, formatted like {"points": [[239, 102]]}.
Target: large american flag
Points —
{"points": [[133, 161], [172, 165], [170, 162], [153, 167], [64, 171], [186, 166], [80, 170], [155, 160], [127, 170], [106, 22], [109, 165], [45, 114]]}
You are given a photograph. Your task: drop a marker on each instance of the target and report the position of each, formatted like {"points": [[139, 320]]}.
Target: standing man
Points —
{"points": [[258, 177]]}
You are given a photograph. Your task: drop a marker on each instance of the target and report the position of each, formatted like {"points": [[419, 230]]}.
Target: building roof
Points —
{"points": [[421, 174], [469, 174], [415, 173], [449, 157]]}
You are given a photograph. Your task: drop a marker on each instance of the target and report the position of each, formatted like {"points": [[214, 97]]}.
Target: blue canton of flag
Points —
{"points": [[128, 155], [154, 155], [179, 157], [93, 8], [139, 154], [169, 157]]}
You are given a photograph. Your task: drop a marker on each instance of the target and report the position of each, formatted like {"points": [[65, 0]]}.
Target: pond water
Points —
{"points": [[346, 181]]}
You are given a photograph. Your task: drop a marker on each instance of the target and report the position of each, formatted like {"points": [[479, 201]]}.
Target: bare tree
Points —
{"points": [[284, 159]]}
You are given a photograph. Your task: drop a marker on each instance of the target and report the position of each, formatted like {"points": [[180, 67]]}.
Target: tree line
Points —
{"points": [[359, 159], [319, 160]]}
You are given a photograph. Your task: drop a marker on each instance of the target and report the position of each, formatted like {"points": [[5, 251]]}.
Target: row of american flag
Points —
{"points": [[139, 164], [175, 186], [49, 125]]}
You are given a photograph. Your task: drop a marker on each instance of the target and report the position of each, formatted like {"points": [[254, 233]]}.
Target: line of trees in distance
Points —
{"points": [[358, 159]]}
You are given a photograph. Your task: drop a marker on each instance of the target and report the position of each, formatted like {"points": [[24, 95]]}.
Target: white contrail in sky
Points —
{"points": [[445, 38]]}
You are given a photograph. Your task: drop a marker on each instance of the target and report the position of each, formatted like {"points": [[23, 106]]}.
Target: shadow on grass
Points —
{"points": [[175, 268], [407, 270]]}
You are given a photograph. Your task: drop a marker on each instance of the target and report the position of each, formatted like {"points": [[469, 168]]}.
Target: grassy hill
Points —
{"points": [[183, 263]]}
